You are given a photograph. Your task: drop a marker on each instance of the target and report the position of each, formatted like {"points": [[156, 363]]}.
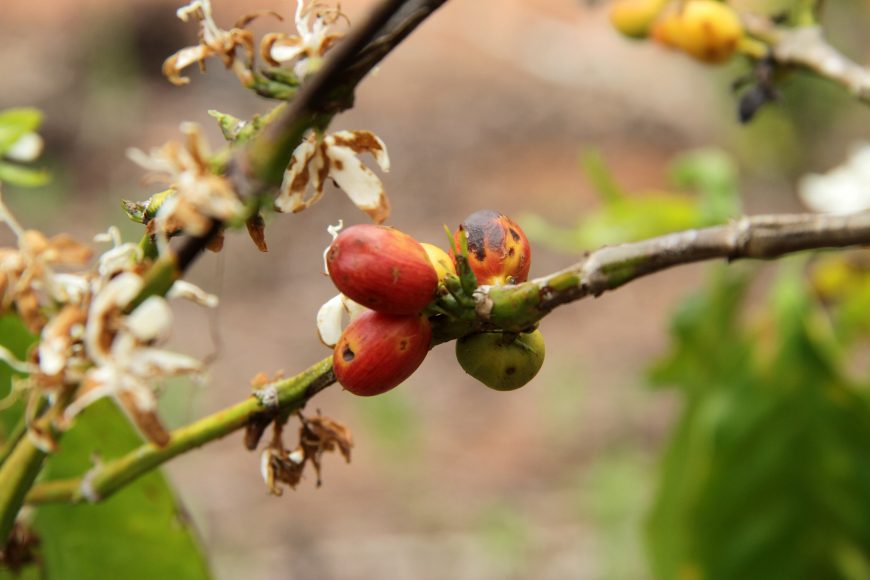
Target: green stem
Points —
{"points": [[106, 479], [16, 477], [22, 467], [513, 308], [13, 438]]}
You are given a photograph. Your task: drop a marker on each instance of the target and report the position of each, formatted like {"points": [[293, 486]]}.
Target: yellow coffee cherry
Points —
{"points": [[441, 260], [633, 18], [708, 30]]}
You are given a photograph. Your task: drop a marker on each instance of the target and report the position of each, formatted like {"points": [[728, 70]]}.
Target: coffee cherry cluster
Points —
{"points": [[389, 272], [397, 277], [708, 30], [498, 253]]}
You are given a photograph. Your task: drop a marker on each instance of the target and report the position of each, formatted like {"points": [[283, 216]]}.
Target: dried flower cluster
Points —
{"points": [[315, 35], [317, 436], [197, 195], [93, 340]]}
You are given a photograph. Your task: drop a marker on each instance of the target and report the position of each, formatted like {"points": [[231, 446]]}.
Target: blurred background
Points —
{"points": [[511, 105]]}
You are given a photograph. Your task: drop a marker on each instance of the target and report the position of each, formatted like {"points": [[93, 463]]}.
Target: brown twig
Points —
{"points": [[806, 47], [257, 167]]}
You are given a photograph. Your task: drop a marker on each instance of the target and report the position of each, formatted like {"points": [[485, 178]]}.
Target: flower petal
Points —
{"points": [[297, 178], [362, 142], [151, 320], [329, 321], [192, 292], [358, 181]]}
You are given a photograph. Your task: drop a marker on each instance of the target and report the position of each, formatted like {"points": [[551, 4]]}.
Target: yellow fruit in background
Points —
{"points": [[705, 29], [441, 260], [710, 30], [633, 18]]}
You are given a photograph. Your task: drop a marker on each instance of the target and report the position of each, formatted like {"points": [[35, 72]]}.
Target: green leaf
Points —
{"points": [[14, 123], [15, 174], [625, 217], [139, 533], [768, 471], [17, 339]]}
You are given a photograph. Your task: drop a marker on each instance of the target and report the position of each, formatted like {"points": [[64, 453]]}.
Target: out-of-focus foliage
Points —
{"points": [[15, 125], [624, 216], [138, 533], [767, 474], [15, 337]]}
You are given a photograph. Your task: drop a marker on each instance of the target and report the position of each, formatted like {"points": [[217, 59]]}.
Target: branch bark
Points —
{"points": [[506, 307], [806, 47], [257, 168]]}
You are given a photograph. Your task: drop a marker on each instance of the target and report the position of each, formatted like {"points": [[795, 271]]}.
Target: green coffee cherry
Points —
{"points": [[499, 360]]}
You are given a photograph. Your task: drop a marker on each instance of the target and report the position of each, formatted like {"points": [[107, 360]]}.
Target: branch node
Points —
{"points": [[86, 487], [482, 303], [267, 395]]}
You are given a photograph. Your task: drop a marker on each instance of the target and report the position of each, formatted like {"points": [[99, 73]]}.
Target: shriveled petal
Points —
{"points": [[362, 142], [184, 289], [332, 315], [358, 181], [329, 321], [151, 320], [57, 337], [68, 288], [163, 363], [98, 383], [352, 308], [297, 178], [182, 59], [276, 48], [116, 294], [118, 259], [140, 405]]}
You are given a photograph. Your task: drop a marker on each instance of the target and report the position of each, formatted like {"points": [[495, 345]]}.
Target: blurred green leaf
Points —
{"points": [[17, 339], [14, 123], [625, 217], [141, 532], [768, 472], [15, 174]]}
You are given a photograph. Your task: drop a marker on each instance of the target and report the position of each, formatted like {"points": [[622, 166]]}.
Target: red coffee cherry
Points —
{"points": [[377, 351], [382, 268]]}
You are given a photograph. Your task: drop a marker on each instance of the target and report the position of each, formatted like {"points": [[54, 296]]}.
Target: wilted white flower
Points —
{"points": [[844, 189], [127, 365], [314, 37], [333, 317], [213, 41], [336, 157], [199, 194], [27, 277]]}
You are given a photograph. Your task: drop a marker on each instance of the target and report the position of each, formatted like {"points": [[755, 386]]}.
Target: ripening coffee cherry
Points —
{"points": [[382, 269], [634, 18], [498, 250], [377, 351], [441, 260], [706, 29], [499, 360]]}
